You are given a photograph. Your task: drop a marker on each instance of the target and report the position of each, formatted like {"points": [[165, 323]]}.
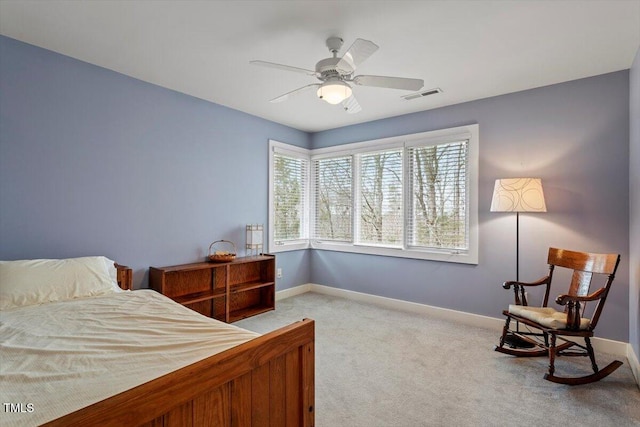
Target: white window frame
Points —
{"points": [[469, 132], [296, 152]]}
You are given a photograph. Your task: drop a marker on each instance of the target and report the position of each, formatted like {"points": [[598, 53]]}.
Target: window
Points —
{"points": [[289, 189], [438, 187], [333, 198], [381, 215], [411, 196]]}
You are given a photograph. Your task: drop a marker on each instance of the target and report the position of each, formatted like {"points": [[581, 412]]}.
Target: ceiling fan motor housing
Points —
{"points": [[328, 68]]}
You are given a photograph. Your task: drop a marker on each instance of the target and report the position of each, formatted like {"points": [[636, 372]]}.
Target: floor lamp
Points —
{"points": [[518, 195]]}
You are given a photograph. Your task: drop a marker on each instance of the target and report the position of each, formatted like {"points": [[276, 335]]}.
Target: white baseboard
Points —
{"points": [[617, 348], [442, 313], [632, 357], [291, 292]]}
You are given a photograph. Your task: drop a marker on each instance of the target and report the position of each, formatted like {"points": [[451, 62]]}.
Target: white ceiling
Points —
{"points": [[469, 49]]}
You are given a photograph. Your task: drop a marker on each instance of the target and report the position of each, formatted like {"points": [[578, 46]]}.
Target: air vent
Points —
{"points": [[423, 93]]}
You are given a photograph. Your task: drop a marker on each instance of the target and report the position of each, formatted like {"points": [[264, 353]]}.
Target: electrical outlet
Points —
{"points": [[279, 273]]}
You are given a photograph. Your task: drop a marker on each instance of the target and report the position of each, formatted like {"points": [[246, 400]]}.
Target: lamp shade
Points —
{"points": [[334, 91], [518, 195], [254, 236]]}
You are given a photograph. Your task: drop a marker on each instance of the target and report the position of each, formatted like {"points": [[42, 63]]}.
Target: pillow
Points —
{"points": [[38, 281], [110, 265]]}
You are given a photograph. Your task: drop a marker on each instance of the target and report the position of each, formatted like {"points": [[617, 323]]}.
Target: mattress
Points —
{"points": [[59, 357]]}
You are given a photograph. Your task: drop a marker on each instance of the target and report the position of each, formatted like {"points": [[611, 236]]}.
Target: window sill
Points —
{"points": [[431, 255], [285, 247]]}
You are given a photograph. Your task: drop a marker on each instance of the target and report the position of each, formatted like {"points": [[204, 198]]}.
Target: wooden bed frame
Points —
{"points": [[268, 381]]}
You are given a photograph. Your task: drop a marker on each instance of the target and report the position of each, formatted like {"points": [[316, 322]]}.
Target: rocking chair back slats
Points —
{"points": [[568, 323], [580, 283]]}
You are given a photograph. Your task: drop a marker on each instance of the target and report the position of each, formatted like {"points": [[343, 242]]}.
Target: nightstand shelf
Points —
{"points": [[227, 291], [198, 297], [249, 286], [248, 312]]}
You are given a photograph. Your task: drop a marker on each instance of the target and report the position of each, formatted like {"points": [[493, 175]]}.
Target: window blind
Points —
{"points": [[438, 208], [333, 199], [380, 191], [290, 195]]}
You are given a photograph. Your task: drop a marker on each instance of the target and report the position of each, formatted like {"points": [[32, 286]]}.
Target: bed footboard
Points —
{"points": [[268, 381]]}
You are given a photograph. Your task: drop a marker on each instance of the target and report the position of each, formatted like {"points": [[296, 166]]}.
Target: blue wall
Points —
{"points": [[575, 136], [94, 162], [634, 211]]}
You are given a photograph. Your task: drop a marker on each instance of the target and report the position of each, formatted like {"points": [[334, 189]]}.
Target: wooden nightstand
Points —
{"points": [[227, 291]]}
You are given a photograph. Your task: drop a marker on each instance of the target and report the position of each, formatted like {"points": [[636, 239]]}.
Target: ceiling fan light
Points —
{"points": [[334, 92]]}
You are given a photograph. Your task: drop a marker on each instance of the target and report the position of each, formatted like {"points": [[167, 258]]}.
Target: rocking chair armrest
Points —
{"points": [[565, 299], [542, 281]]}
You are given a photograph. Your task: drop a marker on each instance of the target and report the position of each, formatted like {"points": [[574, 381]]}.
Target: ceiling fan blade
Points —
{"points": [[351, 105], [389, 82], [359, 51], [294, 92], [284, 67]]}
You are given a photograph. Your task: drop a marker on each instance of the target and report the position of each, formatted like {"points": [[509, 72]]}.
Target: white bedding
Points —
{"points": [[59, 357]]}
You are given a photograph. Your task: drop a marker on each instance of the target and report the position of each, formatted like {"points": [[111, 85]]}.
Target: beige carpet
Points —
{"points": [[380, 367]]}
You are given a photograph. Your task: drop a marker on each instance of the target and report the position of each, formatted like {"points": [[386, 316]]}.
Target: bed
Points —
{"points": [[119, 357]]}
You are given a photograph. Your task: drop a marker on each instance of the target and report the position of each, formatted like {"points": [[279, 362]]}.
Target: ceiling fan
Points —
{"points": [[336, 73]]}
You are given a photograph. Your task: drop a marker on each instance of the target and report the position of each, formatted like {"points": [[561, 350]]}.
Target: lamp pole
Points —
{"points": [[517, 246]]}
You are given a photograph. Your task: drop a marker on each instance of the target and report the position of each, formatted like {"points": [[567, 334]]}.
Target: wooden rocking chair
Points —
{"points": [[563, 325]]}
